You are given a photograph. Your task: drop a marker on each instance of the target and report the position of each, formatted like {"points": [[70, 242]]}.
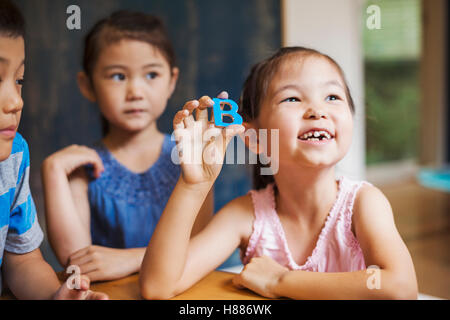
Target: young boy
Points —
{"points": [[23, 268]]}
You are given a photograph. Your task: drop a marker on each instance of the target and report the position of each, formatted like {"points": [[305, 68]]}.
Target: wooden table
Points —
{"points": [[215, 286]]}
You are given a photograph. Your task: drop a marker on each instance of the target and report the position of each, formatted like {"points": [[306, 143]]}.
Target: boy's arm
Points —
{"points": [[28, 276], [382, 247]]}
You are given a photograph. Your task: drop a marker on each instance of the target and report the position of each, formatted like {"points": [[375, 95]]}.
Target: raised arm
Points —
{"points": [[66, 202], [173, 262]]}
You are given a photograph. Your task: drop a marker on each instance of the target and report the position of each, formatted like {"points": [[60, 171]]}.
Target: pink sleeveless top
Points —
{"points": [[336, 250]]}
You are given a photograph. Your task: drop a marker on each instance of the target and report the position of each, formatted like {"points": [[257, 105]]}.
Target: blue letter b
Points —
{"points": [[219, 112]]}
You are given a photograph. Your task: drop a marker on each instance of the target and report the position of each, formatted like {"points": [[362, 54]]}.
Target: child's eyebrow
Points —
{"points": [[4, 60], [114, 66], [118, 66], [7, 61], [152, 65], [332, 83], [285, 87]]}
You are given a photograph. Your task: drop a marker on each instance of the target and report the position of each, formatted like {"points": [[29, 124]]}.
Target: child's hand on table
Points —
{"points": [[103, 263], [65, 293], [261, 275]]}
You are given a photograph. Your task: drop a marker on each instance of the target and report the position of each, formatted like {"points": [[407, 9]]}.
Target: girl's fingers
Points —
{"points": [[88, 267], [90, 156], [80, 260], [189, 121], [236, 282], [223, 95], [202, 110], [205, 102], [232, 130], [212, 121], [93, 295], [190, 106], [97, 163], [85, 282], [79, 253], [68, 292], [95, 275], [178, 122], [228, 133]]}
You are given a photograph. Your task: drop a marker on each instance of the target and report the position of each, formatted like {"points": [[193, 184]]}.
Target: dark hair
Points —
{"points": [[128, 25], [12, 23], [255, 88]]}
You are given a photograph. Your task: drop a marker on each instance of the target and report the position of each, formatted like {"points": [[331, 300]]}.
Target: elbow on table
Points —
{"points": [[151, 290], [61, 254], [403, 289], [406, 293]]}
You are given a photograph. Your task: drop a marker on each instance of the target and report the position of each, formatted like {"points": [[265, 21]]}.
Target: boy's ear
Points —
{"points": [[173, 79], [251, 138], [84, 83]]}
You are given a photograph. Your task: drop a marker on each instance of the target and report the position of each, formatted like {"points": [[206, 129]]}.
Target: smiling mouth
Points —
{"points": [[316, 135]]}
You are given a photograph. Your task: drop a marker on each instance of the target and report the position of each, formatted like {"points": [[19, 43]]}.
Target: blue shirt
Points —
{"points": [[126, 206], [19, 228]]}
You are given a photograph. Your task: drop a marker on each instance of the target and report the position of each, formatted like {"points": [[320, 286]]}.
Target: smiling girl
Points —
{"points": [[101, 216], [303, 233]]}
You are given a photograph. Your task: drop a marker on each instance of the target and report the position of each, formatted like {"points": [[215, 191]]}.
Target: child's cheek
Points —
{"points": [[285, 124], [345, 132], [281, 132], [111, 97]]}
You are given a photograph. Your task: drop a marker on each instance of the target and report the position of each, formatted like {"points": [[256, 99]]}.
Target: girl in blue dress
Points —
{"points": [[104, 201]]}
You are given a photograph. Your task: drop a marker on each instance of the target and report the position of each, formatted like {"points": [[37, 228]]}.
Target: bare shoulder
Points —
{"points": [[370, 198], [371, 207], [240, 207]]}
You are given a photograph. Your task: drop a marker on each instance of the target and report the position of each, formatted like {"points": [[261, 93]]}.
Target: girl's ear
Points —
{"points": [[84, 83], [173, 80], [251, 138]]}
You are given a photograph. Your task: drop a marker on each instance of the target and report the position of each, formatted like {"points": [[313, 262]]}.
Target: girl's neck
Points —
{"points": [[305, 195], [123, 140]]}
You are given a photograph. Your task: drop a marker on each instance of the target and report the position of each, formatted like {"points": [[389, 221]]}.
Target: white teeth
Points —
{"points": [[314, 135]]}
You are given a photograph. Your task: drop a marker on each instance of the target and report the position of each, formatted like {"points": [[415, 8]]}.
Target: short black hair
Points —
{"points": [[130, 25], [12, 23]]}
